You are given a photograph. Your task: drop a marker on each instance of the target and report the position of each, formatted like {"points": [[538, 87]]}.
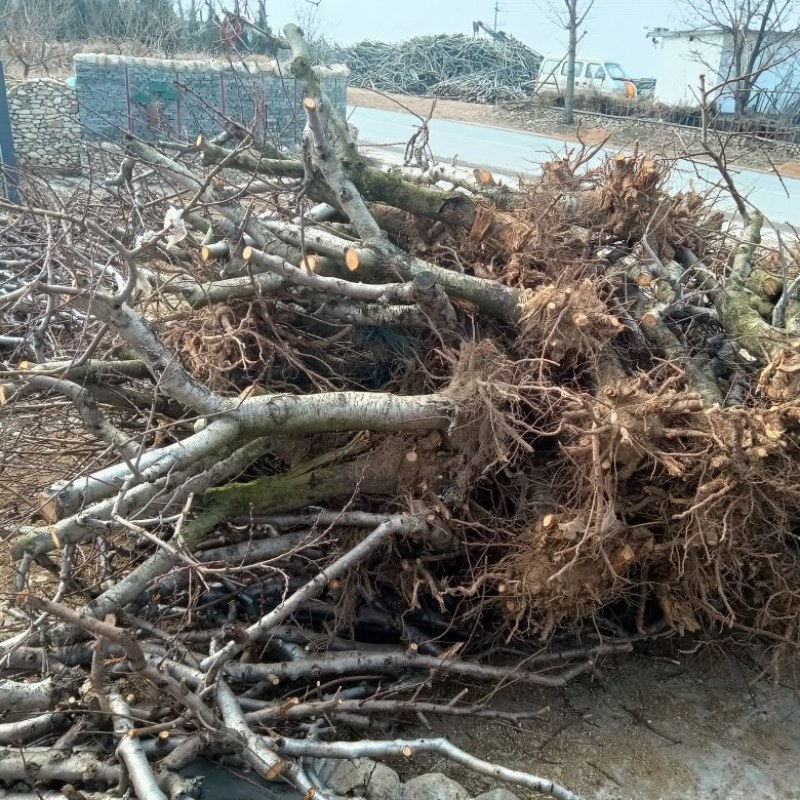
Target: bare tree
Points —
{"points": [[36, 33], [313, 21], [756, 36], [30, 32], [570, 16], [152, 23]]}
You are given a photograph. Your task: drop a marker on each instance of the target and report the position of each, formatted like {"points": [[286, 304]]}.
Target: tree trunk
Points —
{"points": [[572, 49]]}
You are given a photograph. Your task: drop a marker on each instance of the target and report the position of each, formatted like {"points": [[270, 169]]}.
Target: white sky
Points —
{"points": [[615, 29]]}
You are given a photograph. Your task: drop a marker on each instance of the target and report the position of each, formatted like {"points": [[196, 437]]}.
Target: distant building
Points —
{"points": [[683, 56]]}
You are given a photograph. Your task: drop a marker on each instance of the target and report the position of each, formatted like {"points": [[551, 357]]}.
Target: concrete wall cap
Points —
{"points": [[332, 71], [252, 67]]}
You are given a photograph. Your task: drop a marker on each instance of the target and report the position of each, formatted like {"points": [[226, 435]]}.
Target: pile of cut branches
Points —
{"points": [[291, 439], [450, 66]]}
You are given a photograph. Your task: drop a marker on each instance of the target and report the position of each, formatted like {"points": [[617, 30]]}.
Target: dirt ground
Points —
{"points": [[677, 726], [650, 138], [672, 721], [683, 726]]}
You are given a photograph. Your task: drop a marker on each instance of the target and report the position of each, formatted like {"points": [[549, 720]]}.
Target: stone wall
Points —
{"points": [[178, 100], [45, 125]]}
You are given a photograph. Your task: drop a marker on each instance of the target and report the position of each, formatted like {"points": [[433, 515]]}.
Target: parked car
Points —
{"points": [[591, 73]]}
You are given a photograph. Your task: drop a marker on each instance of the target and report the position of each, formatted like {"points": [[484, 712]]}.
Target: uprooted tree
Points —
{"points": [[260, 410]]}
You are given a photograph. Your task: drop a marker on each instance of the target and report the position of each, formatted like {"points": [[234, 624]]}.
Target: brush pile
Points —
{"points": [[288, 442], [449, 66]]}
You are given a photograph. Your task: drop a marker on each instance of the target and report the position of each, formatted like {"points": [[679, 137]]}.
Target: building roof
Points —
{"points": [[666, 33]]}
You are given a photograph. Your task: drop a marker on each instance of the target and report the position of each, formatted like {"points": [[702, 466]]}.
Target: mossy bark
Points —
{"points": [[253, 163], [383, 471], [762, 306], [747, 326], [377, 186], [373, 184], [791, 318], [765, 284]]}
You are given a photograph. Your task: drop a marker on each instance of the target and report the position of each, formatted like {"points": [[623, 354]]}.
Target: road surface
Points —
{"points": [[512, 152]]}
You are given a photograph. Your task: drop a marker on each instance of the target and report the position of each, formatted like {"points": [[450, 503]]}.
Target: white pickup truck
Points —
{"points": [[591, 73]]}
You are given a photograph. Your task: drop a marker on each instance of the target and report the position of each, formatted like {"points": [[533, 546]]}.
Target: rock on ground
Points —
{"points": [[497, 794], [433, 786], [360, 776]]}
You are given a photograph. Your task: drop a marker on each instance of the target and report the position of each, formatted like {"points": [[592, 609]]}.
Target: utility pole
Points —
{"points": [[496, 11]]}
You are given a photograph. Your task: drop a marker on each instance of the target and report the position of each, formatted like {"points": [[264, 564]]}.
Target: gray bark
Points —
{"points": [[130, 750], [27, 697], [572, 49], [27, 730], [46, 766], [406, 748]]}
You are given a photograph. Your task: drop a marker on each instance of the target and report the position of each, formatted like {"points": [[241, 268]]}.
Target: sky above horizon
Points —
{"points": [[614, 29]]}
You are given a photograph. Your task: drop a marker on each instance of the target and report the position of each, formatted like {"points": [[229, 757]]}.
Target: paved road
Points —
{"points": [[513, 152]]}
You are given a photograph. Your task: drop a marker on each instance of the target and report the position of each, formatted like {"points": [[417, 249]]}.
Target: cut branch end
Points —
{"points": [[352, 260]]}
